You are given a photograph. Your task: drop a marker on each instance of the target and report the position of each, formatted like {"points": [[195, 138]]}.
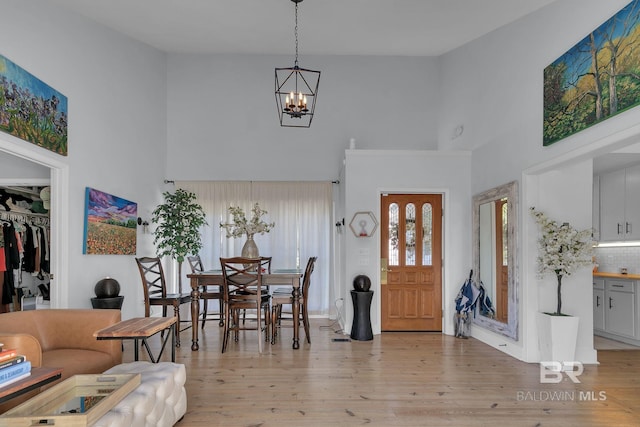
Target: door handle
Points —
{"points": [[385, 270], [619, 226], [597, 300], [627, 227], [610, 302]]}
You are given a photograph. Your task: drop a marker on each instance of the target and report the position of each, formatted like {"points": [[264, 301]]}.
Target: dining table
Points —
{"points": [[279, 277]]}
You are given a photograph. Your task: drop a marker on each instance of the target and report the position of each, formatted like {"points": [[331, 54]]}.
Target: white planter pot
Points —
{"points": [[557, 337]]}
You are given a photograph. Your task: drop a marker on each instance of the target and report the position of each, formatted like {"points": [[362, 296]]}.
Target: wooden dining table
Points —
{"points": [[281, 277]]}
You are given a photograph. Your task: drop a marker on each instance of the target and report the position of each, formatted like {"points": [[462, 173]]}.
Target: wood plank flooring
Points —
{"points": [[399, 379]]}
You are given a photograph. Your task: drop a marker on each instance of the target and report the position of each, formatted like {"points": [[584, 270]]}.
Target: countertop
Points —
{"points": [[617, 276]]}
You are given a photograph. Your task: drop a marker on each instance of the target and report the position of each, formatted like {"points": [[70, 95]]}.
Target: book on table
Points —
{"points": [[13, 373], [14, 361], [8, 354]]}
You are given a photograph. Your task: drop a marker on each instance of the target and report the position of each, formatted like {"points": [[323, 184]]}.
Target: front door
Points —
{"points": [[411, 261]]}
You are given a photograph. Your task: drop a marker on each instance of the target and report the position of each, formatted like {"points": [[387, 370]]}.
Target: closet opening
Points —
{"points": [[25, 250]]}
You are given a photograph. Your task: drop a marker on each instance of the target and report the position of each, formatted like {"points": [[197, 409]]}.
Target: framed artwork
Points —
{"points": [[109, 224], [596, 79], [32, 110]]}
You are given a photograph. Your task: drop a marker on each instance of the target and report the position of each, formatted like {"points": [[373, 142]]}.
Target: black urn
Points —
{"points": [[361, 283], [107, 288]]}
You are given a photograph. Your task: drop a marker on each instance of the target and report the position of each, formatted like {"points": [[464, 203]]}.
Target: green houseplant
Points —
{"points": [[178, 220]]}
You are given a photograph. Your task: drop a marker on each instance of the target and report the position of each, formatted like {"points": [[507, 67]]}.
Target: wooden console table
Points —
{"points": [[142, 328]]}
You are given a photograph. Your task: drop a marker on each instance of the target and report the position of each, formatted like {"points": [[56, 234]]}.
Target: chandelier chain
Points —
{"points": [[295, 31]]}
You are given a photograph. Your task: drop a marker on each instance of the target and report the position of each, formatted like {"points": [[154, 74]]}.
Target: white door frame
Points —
{"points": [[59, 212]]}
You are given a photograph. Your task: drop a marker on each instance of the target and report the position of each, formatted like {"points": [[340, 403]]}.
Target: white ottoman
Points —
{"points": [[160, 400]]}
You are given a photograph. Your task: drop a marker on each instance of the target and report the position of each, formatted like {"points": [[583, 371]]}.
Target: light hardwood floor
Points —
{"points": [[398, 379]]}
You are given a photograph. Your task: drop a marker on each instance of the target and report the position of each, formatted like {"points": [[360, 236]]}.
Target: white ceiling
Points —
{"points": [[326, 27]]}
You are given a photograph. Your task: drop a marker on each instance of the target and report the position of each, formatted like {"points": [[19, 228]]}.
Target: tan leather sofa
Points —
{"points": [[61, 338]]}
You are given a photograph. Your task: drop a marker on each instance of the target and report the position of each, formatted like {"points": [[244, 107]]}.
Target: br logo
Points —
{"points": [[552, 372]]}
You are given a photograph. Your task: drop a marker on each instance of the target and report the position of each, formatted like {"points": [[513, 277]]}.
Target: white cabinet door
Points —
{"points": [[612, 202], [598, 309], [620, 313], [632, 203]]}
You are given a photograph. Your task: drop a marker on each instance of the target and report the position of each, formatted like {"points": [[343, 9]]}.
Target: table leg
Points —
{"points": [[195, 311], [136, 353], [296, 315], [173, 342]]}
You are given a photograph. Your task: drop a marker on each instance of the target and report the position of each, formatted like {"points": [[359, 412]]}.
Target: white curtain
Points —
{"points": [[302, 215]]}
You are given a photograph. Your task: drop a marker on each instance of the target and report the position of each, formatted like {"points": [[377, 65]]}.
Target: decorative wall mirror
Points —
{"points": [[495, 235]]}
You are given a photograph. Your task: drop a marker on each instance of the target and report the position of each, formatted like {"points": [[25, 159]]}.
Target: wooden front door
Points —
{"points": [[411, 262]]}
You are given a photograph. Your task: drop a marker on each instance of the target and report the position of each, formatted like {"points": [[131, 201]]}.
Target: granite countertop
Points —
{"points": [[617, 275]]}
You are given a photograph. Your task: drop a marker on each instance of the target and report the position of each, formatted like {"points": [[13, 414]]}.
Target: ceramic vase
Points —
{"points": [[250, 249]]}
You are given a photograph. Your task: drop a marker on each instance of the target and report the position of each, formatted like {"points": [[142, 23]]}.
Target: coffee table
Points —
{"points": [[142, 328]]}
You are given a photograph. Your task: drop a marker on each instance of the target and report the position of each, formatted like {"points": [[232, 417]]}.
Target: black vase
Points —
{"points": [[361, 283], [107, 288]]}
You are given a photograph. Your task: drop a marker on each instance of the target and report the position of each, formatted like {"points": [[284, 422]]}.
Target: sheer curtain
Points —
{"points": [[302, 215]]}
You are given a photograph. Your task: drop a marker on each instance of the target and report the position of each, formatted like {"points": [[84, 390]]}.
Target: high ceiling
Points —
{"points": [[327, 27]]}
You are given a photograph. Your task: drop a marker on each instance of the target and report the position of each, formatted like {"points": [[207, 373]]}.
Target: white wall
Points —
{"points": [[368, 174], [116, 97], [223, 124], [493, 87]]}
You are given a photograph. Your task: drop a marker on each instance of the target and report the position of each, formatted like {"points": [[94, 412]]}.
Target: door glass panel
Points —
{"points": [[427, 234], [394, 222], [410, 234]]}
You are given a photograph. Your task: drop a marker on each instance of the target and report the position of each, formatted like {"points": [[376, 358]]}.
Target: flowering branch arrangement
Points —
{"points": [[240, 226], [561, 250]]}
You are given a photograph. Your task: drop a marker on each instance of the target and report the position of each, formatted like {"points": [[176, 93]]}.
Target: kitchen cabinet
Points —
{"points": [[620, 307], [598, 304], [615, 309], [620, 205]]}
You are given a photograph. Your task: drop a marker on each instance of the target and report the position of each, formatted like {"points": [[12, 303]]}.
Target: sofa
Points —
{"points": [[61, 338]]}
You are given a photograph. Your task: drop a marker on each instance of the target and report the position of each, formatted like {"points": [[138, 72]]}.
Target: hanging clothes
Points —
{"points": [[12, 262]]}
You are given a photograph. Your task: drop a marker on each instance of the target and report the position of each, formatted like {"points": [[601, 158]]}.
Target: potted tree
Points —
{"points": [[562, 250], [178, 220]]}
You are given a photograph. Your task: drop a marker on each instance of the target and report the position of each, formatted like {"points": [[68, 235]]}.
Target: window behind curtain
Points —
{"points": [[301, 211]]}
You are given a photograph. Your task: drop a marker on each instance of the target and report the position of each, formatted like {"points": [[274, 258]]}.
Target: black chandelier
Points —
{"points": [[296, 91]]}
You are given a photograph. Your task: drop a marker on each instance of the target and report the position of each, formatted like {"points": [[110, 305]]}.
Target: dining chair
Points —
{"points": [[283, 296], [207, 292], [265, 267], [243, 290], [155, 291]]}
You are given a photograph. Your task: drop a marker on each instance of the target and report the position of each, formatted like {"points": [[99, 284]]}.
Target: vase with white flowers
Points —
{"points": [[240, 226], [561, 250]]}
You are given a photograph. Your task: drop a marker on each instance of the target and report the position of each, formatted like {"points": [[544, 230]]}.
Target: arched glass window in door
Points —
{"points": [[394, 241], [427, 234], [410, 234]]}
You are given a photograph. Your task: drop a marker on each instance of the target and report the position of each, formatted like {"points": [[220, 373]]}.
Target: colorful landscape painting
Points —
{"points": [[32, 110], [597, 78], [109, 225]]}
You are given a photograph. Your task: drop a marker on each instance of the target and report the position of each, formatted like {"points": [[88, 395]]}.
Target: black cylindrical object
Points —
{"points": [[361, 326]]}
